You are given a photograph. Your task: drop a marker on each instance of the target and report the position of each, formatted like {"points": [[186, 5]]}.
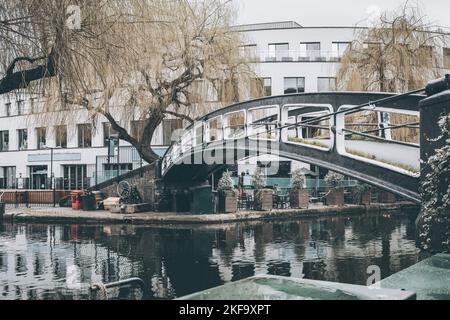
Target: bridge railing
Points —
{"points": [[350, 142], [321, 126]]}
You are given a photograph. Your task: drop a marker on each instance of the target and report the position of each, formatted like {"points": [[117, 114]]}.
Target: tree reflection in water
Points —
{"points": [[35, 260]]}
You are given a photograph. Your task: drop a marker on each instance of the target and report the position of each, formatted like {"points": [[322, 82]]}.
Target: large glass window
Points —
{"points": [[4, 140], [75, 177], [278, 51], [326, 84], [447, 58], [7, 177], [61, 136], [294, 85], [22, 135], [85, 135], [41, 138], [38, 177], [339, 48], [310, 50]]}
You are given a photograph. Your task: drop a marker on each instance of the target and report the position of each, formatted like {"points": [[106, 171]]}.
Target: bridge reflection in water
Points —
{"points": [[37, 261]]}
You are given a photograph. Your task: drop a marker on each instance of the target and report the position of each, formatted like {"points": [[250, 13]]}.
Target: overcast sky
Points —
{"points": [[310, 13]]}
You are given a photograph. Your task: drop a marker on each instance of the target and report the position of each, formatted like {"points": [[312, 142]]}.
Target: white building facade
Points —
{"points": [[289, 58]]}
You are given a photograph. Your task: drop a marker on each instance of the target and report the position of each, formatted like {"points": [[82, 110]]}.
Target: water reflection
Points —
{"points": [[59, 262]]}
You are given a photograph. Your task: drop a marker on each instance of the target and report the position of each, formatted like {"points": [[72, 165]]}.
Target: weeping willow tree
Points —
{"points": [[397, 53], [400, 52], [124, 60]]}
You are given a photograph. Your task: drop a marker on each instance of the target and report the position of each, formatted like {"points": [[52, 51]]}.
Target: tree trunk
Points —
{"points": [[144, 145]]}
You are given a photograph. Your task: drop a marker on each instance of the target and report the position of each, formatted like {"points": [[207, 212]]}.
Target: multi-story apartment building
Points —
{"points": [[292, 58], [289, 58]]}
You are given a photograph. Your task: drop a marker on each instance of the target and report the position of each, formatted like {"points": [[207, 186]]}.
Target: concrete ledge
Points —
{"points": [[64, 215]]}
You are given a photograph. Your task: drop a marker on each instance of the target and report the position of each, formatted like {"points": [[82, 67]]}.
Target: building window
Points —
{"points": [[84, 135], [7, 177], [310, 50], [41, 138], [22, 135], [20, 107], [338, 49], [261, 87], [108, 131], [326, 84], [267, 86], [110, 169], [170, 126], [249, 52], [61, 136], [4, 141], [447, 58], [38, 177], [8, 109], [278, 52], [294, 85], [75, 177]]}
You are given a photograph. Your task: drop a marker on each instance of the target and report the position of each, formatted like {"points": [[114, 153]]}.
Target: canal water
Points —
{"points": [[61, 261]]}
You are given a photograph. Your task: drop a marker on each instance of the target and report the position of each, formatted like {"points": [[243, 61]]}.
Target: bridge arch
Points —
{"points": [[243, 129]]}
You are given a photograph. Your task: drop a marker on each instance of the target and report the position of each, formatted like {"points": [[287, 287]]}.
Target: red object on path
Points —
{"points": [[76, 200]]}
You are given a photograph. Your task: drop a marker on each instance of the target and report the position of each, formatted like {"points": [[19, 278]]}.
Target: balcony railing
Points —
{"points": [[294, 56]]}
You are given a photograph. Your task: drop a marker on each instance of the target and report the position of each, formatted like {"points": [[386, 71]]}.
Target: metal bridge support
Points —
{"points": [[432, 109]]}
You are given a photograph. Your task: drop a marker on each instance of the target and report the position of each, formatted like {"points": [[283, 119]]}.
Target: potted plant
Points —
{"points": [[263, 198], [299, 194], [227, 194], [362, 193], [335, 196]]}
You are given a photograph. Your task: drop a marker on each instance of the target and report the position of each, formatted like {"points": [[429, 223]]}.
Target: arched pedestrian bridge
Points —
{"points": [[329, 130]]}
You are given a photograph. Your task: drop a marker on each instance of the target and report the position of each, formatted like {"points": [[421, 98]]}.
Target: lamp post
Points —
{"points": [[52, 175], [116, 139]]}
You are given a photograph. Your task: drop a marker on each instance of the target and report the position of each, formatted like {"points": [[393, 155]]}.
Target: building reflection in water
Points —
{"points": [[60, 262]]}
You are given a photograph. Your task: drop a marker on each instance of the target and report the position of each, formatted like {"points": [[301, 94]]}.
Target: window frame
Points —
{"points": [[277, 54], [58, 140], [297, 86], [4, 134], [20, 139], [328, 78], [41, 138], [82, 142]]}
